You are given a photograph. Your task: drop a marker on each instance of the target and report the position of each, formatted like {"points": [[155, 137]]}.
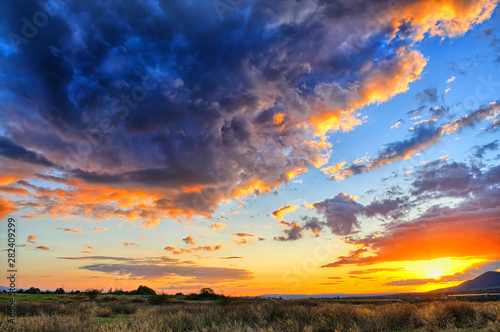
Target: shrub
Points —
{"points": [[92, 293], [143, 290], [59, 291], [158, 299]]}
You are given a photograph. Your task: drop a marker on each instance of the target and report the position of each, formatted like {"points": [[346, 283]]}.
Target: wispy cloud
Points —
{"points": [[421, 138]]}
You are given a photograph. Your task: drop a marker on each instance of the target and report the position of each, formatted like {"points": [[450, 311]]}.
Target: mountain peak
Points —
{"points": [[490, 279]]}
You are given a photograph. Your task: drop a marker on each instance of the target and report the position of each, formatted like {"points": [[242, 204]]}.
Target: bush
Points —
{"points": [[92, 293], [59, 291], [143, 290], [158, 299], [32, 290], [224, 300]]}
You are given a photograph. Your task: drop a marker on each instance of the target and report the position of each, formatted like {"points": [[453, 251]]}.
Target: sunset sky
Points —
{"points": [[254, 147]]}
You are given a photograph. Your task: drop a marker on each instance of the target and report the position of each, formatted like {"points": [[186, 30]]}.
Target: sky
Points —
{"points": [[253, 147]]}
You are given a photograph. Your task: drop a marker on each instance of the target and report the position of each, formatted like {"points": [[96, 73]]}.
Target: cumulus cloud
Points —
{"points": [[166, 114], [292, 234], [188, 240], [340, 213]]}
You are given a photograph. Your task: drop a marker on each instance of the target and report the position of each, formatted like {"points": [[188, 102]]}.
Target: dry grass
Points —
{"points": [[133, 314]]}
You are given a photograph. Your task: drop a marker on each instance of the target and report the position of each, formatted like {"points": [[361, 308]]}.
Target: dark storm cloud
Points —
{"points": [[163, 94], [342, 211], [453, 178], [9, 149]]}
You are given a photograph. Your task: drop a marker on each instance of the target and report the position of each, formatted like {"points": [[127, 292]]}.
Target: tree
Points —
{"points": [[59, 291], [144, 290], [207, 291], [92, 293], [33, 290]]}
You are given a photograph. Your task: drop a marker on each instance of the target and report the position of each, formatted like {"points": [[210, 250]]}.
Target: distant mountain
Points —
{"points": [[486, 282], [302, 296], [320, 296], [490, 279]]}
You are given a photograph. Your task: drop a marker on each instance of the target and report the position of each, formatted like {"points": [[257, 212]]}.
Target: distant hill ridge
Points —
{"points": [[490, 279]]}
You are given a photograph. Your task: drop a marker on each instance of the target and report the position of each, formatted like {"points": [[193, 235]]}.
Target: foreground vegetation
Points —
{"points": [[79, 312]]}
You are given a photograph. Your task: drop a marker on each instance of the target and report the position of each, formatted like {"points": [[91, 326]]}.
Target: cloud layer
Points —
{"points": [[156, 109]]}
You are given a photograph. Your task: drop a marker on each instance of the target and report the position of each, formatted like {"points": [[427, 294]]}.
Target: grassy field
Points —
{"points": [[133, 313]]}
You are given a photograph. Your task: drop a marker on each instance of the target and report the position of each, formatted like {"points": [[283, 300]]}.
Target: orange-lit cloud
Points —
{"points": [[255, 187], [277, 128], [279, 213], [383, 81], [32, 238], [333, 168], [126, 244], [217, 226], [243, 235], [100, 229], [6, 207], [192, 250], [292, 234], [188, 240], [42, 248], [461, 234], [14, 190], [447, 18], [278, 118], [242, 241]]}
